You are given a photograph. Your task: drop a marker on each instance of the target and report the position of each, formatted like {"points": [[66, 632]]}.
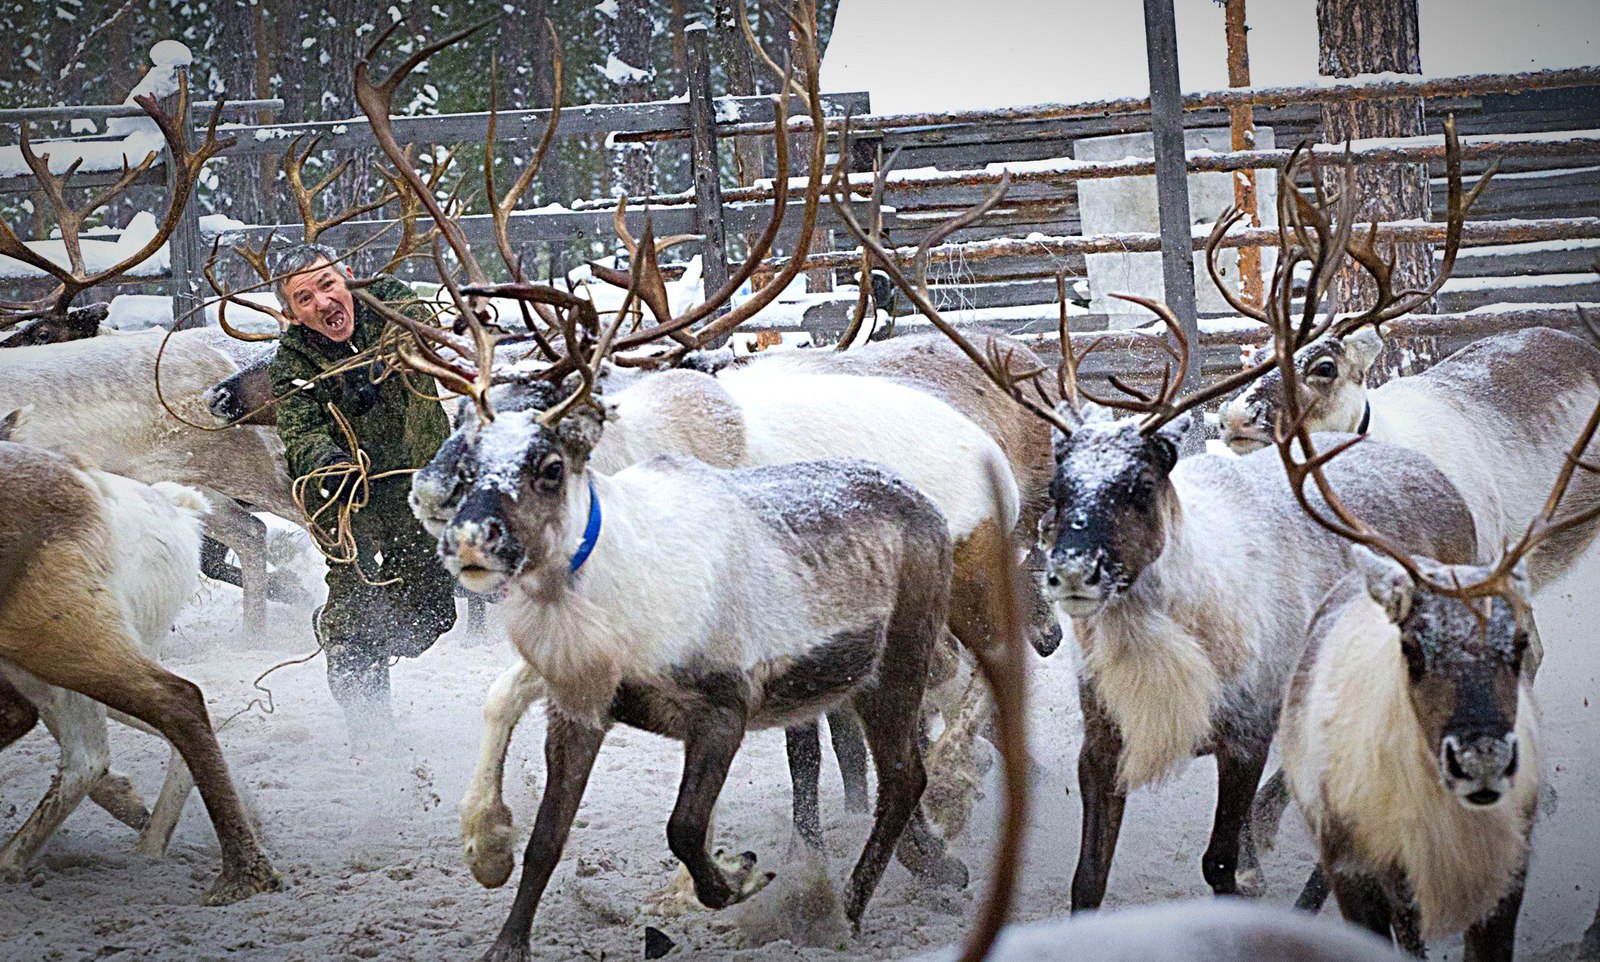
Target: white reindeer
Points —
{"points": [[697, 603], [92, 569], [1410, 744], [1217, 930], [1496, 417], [96, 399], [767, 412]]}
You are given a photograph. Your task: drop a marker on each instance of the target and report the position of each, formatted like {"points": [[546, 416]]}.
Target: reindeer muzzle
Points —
{"points": [[1479, 769], [1078, 583], [479, 549]]}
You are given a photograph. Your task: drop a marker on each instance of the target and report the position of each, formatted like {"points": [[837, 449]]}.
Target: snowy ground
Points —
{"points": [[370, 854]]}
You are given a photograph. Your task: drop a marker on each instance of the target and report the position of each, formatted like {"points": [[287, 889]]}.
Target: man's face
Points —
{"points": [[319, 299]]}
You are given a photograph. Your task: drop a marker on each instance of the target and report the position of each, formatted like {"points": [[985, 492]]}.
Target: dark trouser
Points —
{"points": [[378, 609]]}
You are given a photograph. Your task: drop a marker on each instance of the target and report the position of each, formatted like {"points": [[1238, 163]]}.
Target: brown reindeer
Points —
{"points": [[85, 558]]}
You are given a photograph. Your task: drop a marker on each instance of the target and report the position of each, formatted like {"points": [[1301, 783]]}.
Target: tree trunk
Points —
{"points": [[1371, 36], [242, 187], [630, 44], [337, 38]]}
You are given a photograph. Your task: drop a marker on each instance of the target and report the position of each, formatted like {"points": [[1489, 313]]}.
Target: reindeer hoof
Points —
{"points": [[743, 878], [489, 845], [235, 885], [507, 953]]}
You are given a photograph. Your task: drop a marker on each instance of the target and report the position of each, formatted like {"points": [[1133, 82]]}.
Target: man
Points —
{"points": [[397, 599]]}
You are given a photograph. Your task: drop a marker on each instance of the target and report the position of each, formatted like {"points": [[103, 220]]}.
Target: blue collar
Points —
{"points": [[591, 532], [1366, 418]]}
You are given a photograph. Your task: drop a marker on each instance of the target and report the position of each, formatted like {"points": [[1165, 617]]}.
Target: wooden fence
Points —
{"points": [[1534, 237]]}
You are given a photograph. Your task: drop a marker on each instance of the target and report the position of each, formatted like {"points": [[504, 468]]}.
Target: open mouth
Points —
{"points": [[1244, 442]]}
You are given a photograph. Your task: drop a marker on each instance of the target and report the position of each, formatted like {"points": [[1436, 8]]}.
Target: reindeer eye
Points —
{"points": [[1324, 368], [551, 471]]}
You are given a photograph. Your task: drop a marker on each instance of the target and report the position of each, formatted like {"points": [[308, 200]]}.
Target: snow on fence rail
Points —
{"points": [[742, 208]]}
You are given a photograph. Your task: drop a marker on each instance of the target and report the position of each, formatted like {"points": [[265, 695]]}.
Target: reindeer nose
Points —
{"points": [[1481, 762], [493, 533]]}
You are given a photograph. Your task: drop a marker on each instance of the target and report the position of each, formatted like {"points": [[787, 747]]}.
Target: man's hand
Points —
{"points": [[336, 484], [360, 393]]}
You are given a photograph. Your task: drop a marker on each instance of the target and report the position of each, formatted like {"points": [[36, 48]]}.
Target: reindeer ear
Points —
{"points": [[1387, 582], [1363, 347], [581, 426]]}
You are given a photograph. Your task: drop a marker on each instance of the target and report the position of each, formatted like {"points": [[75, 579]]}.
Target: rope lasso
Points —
{"points": [[331, 524]]}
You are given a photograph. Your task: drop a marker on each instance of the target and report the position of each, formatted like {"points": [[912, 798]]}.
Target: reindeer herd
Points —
{"points": [[699, 548]]}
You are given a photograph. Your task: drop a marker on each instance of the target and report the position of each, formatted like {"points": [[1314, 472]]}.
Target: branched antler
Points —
{"points": [[74, 277]]}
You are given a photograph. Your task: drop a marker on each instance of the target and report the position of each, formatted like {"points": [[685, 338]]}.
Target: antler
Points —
{"points": [[1388, 305], [305, 197], [74, 278], [805, 53], [1313, 231]]}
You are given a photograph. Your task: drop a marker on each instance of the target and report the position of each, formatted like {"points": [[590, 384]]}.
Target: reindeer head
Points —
{"points": [[1332, 380], [508, 495], [1112, 506], [1464, 661]]}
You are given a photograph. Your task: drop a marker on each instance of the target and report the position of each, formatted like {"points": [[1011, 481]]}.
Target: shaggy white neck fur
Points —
{"points": [[1362, 753], [1153, 652]]}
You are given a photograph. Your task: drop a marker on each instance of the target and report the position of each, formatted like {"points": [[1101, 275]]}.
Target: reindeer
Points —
{"points": [[1217, 930], [1496, 417], [52, 318], [865, 555], [1410, 740], [1188, 583], [98, 399], [92, 567]]}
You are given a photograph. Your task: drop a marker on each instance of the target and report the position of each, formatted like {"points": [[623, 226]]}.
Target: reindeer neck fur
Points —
{"points": [[1358, 759], [1169, 654]]}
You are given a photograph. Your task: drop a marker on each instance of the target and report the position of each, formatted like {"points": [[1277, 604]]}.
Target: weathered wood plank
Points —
{"points": [[516, 125]]}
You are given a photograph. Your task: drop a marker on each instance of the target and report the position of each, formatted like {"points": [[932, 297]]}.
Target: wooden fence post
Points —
{"points": [[703, 159], [1172, 183], [185, 258]]}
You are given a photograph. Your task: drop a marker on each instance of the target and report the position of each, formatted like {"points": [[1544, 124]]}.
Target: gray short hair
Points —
{"points": [[291, 260]]}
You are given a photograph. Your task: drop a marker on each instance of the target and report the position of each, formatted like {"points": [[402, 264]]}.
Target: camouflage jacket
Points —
{"points": [[397, 427]]}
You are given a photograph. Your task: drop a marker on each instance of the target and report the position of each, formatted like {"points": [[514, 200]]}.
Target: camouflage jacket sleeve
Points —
{"points": [[303, 422]]}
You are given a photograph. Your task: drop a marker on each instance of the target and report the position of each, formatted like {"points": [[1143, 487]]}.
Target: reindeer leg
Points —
{"points": [[175, 788], [1238, 774], [891, 711], [708, 751], [486, 831], [570, 748], [1494, 938], [805, 771], [79, 727], [1315, 892], [229, 523], [1103, 802], [81, 649], [1362, 902], [850, 748]]}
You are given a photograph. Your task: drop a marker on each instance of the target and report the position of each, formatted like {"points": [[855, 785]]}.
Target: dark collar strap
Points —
{"points": [[591, 532], [1366, 417]]}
